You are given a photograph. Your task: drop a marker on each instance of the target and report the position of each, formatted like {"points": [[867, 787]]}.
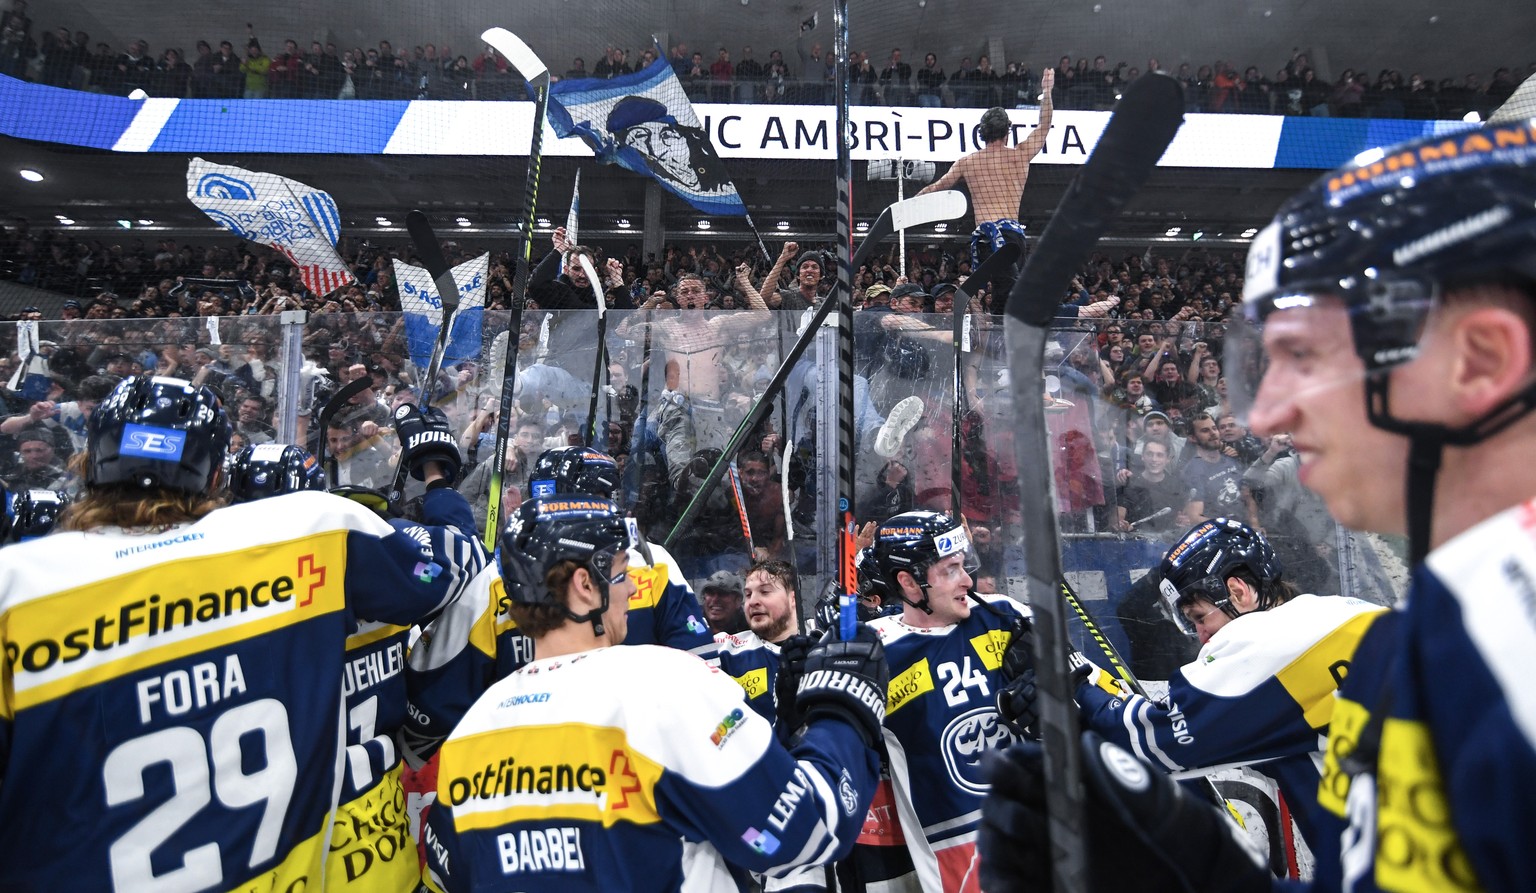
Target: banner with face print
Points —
{"points": [[644, 122]]}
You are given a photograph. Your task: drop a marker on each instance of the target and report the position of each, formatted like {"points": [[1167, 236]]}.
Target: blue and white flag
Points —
{"points": [[645, 123], [572, 225], [299, 221], [424, 310]]}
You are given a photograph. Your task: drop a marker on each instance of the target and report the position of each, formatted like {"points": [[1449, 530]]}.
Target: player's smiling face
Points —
{"points": [[948, 585], [769, 606]]}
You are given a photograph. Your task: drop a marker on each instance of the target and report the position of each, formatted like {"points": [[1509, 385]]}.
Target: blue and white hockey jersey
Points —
{"points": [[636, 768], [476, 642], [1262, 689], [754, 664], [940, 722], [172, 703], [1431, 762], [373, 847]]}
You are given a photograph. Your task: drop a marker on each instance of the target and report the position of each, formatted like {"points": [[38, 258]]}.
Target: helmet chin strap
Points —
{"points": [[595, 616], [921, 604], [1426, 447]]}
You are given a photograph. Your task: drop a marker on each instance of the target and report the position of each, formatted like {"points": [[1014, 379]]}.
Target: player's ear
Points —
{"points": [[1493, 357]]}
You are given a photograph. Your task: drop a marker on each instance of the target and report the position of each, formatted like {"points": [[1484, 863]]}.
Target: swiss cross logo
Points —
{"points": [[644, 589], [629, 783], [315, 573]]}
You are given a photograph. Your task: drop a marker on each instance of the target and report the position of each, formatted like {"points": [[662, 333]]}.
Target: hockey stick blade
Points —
{"points": [[589, 432], [516, 52], [1139, 131], [1520, 105], [919, 211]]}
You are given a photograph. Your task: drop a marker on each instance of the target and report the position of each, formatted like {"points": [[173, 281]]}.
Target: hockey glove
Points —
{"points": [[1017, 698], [426, 436], [793, 653], [1144, 831], [847, 679]]}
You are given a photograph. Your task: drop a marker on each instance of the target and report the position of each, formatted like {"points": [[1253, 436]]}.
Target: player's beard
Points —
{"points": [[770, 628]]}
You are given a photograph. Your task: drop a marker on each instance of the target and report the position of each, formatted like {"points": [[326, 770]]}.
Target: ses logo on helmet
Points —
{"points": [[152, 443]]}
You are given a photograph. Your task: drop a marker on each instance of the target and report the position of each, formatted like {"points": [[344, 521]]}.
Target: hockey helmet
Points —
{"points": [[914, 542], [272, 469], [547, 530], [156, 432], [30, 514], [1199, 564], [574, 470]]}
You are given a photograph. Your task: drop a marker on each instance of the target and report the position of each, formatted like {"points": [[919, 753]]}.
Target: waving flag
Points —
{"points": [[645, 123], [299, 221], [572, 228], [424, 310]]}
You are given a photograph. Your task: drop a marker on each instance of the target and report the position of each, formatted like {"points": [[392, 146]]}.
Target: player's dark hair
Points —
{"points": [[779, 570], [995, 125]]}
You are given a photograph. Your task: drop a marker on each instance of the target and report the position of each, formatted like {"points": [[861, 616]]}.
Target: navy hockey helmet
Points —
{"points": [[574, 470], [914, 542], [870, 579], [547, 530], [272, 469], [1199, 564], [30, 514], [1388, 235], [156, 432]]}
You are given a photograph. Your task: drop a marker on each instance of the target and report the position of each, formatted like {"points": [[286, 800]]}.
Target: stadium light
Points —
{"points": [[65, 221], [462, 221], [1249, 233], [145, 221], [862, 226], [30, 175], [1173, 231], [941, 227], [783, 225], [703, 224], [383, 221], [624, 223]]}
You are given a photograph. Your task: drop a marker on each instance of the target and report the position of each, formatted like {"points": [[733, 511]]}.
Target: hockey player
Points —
{"points": [[772, 589], [941, 720], [641, 768], [1396, 299], [30, 514], [475, 642], [175, 670], [271, 469], [373, 841], [1262, 688]]}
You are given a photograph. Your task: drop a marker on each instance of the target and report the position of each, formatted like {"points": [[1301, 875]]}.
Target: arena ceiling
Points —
{"points": [[98, 189]]}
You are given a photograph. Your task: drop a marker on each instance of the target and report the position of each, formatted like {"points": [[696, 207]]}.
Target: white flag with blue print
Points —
{"points": [[299, 221], [424, 310]]}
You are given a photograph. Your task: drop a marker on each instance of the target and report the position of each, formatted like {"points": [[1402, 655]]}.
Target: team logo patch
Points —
{"points": [[542, 488], [427, 571], [965, 743], [1126, 769], [765, 844], [148, 442], [846, 794], [727, 727], [694, 626]]}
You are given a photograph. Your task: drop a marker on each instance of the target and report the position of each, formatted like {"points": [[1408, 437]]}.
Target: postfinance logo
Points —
{"points": [[116, 625], [552, 772]]}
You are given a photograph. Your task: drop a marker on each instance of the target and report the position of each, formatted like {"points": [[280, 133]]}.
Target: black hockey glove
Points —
{"points": [[1017, 699], [426, 436], [847, 679], [788, 717], [1144, 831]]}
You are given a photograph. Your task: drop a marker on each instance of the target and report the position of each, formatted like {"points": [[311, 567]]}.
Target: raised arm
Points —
{"points": [[770, 282], [744, 282], [951, 177], [1036, 141]]}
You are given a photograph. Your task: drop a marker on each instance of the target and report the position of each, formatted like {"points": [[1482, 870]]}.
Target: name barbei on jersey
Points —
{"points": [[156, 615]]}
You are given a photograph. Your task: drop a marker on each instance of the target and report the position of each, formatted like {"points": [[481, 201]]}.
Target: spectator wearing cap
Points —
{"points": [[722, 601], [39, 467], [906, 352], [1157, 426], [805, 293], [71, 310]]}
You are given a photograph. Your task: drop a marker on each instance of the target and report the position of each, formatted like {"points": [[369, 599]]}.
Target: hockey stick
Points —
{"points": [[741, 505], [589, 433], [430, 250], [512, 48], [1520, 104], [328, 412], [1139, 131], [915, 211], [840, 553], [1001, 259]]}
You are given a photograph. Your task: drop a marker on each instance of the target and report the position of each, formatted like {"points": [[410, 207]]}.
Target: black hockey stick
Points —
{"points": [[1139, 131], [430, 250], [589, 432], [915, 211], [1002, 259], [840, 555], [511, 47], [328, 412]]}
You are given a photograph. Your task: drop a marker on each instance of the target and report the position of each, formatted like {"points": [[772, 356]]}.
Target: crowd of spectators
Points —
{"points": [[1139, 415], [63, 57]]}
